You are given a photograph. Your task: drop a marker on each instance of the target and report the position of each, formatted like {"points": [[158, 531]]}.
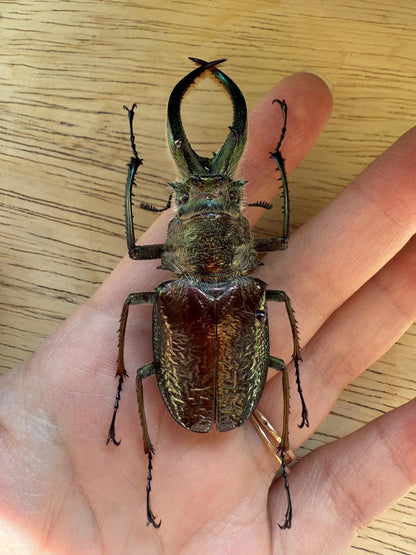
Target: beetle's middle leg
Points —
{"points": [[280, 296], [134, 298]]}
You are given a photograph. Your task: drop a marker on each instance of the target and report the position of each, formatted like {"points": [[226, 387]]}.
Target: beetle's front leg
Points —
{"points": [[280, 296], [266, 244], [134, 298], [137, 252]]}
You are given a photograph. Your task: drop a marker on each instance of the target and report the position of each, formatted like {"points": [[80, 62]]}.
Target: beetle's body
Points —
{"points": [[211, 344], [210, 330]]}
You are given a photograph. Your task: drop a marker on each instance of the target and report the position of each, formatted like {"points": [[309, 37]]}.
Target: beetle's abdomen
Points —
{"points": [[211, 350]]}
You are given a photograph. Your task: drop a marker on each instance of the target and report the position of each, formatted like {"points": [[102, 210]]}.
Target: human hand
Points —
{"points": [[350, 275]]}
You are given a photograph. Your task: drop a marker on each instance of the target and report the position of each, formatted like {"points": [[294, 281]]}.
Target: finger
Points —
{"points": [[342, 247], [358, 333], [310, 103], [343, 486], [349, 240], [362, 330]]}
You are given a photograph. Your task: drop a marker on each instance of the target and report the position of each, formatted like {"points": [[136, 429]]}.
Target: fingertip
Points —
{"points": [[310, 101], [320, 76], [306, 91]]}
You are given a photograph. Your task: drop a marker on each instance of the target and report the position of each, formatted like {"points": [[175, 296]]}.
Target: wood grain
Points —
{"points": [[66, 70]]}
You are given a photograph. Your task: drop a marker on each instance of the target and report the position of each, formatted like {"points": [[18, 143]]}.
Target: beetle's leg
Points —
{"points": [[134, 298], [265, 244], [280, 296], [263, 425], [144, 372], [278, 364], [142, 252]]}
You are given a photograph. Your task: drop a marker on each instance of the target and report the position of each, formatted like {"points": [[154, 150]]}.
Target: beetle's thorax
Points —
{"points": [[209, 237]]}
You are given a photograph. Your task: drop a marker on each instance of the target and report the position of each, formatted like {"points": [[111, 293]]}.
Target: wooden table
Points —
{"points": [[66, 70]]}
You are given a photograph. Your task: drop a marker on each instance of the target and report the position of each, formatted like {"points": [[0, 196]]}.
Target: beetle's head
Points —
{"points": [[207, 195], [207, 184]]}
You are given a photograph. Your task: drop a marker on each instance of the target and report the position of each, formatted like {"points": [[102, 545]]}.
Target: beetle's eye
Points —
{"points": [[183, 198], [234, 196], [260, 315]]}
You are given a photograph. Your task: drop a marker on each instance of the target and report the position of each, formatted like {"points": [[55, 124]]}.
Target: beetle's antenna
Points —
{"points": [[261, 204], [152, 207]]}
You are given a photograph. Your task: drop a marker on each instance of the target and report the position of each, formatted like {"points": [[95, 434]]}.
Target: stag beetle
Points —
{"points": [[210, 329]]}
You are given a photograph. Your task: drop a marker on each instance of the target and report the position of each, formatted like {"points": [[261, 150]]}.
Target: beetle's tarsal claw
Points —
{"points": [[305, 415], [288, 516], [112, 430], [111, 434], [151, 519]]}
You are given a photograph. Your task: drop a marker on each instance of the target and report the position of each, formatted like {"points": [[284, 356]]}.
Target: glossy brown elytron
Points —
{"points": [[210, 331]]}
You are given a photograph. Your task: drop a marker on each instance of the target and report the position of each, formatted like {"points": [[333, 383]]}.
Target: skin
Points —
{"points": [[62, 490]]}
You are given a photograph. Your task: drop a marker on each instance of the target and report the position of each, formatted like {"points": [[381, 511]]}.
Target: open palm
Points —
{"points": [[350, 275]]}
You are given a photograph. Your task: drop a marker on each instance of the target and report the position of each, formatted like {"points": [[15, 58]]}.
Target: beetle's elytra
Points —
{"points": [[210, 330]]}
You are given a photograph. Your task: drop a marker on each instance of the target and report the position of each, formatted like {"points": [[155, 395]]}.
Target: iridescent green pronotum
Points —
{"points": [[210, 330]]}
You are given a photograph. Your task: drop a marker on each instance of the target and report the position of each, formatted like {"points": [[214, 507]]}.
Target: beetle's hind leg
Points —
{"points": [[279, 365], [112, 430], [278, 444], [144, 372]]}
